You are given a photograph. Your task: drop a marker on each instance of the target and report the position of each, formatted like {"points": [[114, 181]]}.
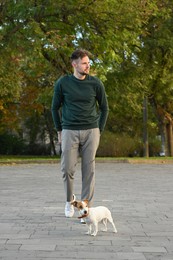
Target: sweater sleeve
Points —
{"points": [[56, 105], [103, 105]]}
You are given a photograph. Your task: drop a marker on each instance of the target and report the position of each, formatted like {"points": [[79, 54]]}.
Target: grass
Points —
{"points": [[26, 159], [10, 159]]}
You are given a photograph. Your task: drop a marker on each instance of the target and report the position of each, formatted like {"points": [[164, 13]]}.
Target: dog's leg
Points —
{"points": [[104, 221], [89, 230], [95, 229], [114, 228], [110, 219]]}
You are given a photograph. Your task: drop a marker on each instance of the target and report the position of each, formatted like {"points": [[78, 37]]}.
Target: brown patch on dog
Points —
{"points": [[78, 204], [74, 203]]}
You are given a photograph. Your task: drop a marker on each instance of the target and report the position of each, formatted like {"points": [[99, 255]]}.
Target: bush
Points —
{"points": [[111, 145], [37, 149], [116, 145], [123, 145], [11, 145], [154, 147]]}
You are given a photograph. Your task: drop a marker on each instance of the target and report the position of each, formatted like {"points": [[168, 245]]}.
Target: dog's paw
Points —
{"points": [[94, 234], [88, 233], [104, 229]]}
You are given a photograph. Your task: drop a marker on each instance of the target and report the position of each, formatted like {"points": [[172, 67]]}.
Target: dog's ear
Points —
{"points": [[86, 201], [74, 203]]}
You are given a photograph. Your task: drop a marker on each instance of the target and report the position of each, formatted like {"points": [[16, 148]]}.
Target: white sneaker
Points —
{"points": [[82, 221], [69, 209]]}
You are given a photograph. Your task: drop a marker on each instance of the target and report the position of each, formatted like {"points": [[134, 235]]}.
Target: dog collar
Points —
{"points": [[83, 216]]}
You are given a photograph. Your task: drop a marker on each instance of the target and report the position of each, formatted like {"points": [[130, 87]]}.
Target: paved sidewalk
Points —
{"points": [[33, 226]]}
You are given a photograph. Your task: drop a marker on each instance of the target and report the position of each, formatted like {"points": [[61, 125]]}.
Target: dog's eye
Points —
{"points": [[81, 207]]}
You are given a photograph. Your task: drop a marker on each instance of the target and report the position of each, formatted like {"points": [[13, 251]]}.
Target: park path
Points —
{"points": [[33, 226]]}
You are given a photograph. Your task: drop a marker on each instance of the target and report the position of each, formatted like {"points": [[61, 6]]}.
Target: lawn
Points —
{"points": [[12, 159]]}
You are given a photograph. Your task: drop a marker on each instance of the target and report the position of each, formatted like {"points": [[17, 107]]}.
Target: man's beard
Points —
{"points": [[83, 73]]}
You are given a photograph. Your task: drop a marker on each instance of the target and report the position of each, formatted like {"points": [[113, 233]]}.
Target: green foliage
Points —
{"points": [[119, 145], [124, 145], [11, 144], [132, 46]]}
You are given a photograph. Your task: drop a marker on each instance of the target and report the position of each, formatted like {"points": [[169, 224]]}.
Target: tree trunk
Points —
{"points": [[50, 132], [145, 128], [170, 138], [161, 124], [162, 129]]}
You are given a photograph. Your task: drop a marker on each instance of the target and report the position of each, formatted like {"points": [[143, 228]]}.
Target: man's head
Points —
{"points": [[80, 53], [81, 62]]}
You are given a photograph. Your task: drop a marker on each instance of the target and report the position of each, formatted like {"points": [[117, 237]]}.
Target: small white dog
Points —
{"points": [[93, 216]]}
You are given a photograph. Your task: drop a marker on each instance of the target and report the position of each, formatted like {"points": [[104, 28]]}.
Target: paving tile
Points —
{"points": [[130, 256], [33, 226], [150, 249]]}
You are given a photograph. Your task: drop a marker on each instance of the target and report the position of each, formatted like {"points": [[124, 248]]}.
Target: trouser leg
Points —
{"points": [[88, 152], [69, 157]]}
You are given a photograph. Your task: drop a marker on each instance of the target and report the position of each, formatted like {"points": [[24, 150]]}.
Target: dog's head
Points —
{"points": [[82, 206]]}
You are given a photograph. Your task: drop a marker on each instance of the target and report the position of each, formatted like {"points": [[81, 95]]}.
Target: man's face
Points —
{"points": [[82, 66]]}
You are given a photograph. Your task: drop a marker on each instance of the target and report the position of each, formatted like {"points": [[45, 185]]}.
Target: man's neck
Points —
{"points": [[79, 76]]}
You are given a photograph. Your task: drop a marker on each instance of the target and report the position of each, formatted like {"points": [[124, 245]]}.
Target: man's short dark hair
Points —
{"points": [[80, 53]]}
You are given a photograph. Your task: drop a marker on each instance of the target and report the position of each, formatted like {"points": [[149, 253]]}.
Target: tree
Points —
{"points": [[156, 61], [146, 71], [37, 38]]}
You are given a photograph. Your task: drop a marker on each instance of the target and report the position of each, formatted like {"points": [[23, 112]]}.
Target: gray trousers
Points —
{"points": [[85, 143]]}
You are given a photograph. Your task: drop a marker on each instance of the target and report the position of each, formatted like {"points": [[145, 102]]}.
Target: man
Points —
{"points": [[84, 105]]}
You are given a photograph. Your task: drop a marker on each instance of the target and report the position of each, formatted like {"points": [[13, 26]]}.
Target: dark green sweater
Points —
{"points": [[84, 103]]}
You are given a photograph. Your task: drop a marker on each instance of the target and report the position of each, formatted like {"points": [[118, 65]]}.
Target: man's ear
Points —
{"points": [[73, 64]]}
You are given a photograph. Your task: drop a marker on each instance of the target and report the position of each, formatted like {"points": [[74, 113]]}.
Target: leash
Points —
{"points": [[83, 216]]}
